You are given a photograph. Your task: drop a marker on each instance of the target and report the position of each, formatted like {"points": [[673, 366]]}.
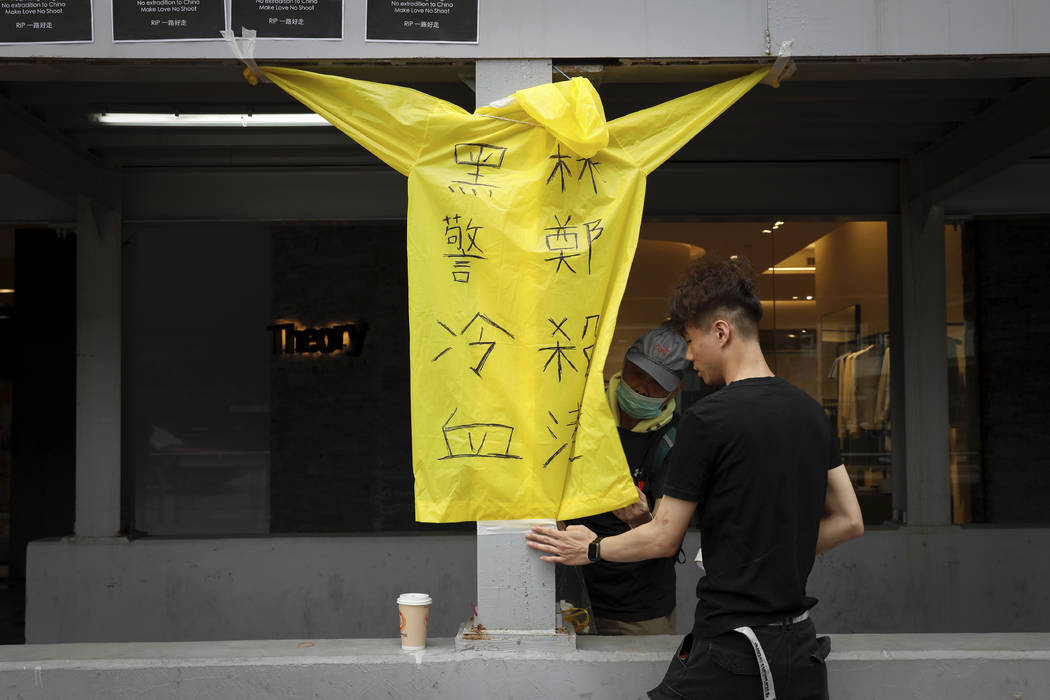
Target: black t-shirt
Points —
{"points": [[634, 591], [755, 457]]}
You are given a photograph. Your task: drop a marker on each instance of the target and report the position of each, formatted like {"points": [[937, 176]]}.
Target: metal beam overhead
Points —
{"points": [[44, 158], [675, 191], [1011, 130], [1017, 191]]}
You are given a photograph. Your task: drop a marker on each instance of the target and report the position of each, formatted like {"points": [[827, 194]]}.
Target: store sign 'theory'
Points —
{"points": [[347, 338]]}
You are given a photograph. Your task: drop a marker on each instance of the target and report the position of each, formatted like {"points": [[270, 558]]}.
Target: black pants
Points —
{"points": [[725, 666]]}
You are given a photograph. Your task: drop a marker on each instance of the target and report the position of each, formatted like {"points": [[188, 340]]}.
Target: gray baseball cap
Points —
{"points": [[660, 353]]}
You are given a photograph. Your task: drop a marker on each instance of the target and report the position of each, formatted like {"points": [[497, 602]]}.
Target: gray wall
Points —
{"points": [[264, 588], [861, 667], [898, 580], [661, 28]]}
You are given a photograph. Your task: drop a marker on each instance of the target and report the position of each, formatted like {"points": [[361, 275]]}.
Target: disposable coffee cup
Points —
{"points": [[415, 614]]}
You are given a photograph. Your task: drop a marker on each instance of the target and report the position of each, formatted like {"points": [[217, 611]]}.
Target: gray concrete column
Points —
{"points": [[496, 78], [923, 344], [515, 589], [98, 436]]}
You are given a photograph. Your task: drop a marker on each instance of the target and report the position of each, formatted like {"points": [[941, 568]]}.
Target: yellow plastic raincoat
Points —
{"points": [[522, 224]]}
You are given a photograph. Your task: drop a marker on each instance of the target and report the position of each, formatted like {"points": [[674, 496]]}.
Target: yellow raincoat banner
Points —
{"points": [[522, 224]]}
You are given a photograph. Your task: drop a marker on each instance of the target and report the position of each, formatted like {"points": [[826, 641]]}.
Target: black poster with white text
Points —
{"points": [[168, 20], [45, 21], [290, 19], [423, 21]]}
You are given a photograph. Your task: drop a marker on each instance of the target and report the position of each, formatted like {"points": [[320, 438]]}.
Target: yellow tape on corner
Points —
{"points": [[522, 224]]}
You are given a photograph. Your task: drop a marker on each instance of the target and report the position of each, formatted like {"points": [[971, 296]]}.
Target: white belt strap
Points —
{"points": [[764, 673]]}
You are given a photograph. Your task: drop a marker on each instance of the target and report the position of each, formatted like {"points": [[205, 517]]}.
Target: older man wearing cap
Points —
{"points": [[639, 597]]}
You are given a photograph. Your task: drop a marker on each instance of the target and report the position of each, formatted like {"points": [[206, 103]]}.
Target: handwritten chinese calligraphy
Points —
{"points": [[484, 346], [594, 231], [562, 238], [588, 350], [589, 167], [463, 238], [562, 169], [564, 241], [469, 439], [477, 156], [559, 355], [573, 423]]}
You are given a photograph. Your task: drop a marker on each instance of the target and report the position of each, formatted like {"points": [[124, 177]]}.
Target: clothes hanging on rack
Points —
{"points": [[882, 398], [863, 387], [846, 405], [867, 368]]}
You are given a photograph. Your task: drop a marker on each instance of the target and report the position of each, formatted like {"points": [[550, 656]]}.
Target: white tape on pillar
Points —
{"points": [[511, 527]]}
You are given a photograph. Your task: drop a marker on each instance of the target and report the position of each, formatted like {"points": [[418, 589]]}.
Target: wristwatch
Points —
{"points": [[594, 552]]}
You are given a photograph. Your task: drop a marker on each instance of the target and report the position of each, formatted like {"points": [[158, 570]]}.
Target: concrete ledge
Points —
{"points": [[907, 580], [1012, 667]]}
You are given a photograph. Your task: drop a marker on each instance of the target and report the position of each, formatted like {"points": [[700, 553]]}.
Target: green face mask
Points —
{"points": [[636, 405]]}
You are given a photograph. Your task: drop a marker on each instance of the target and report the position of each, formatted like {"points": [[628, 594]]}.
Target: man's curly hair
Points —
{"points": [[714, 286]]}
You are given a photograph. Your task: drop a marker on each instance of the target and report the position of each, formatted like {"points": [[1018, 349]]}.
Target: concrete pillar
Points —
{"points": [[515, 588], [894, 237], [922, 343], [98, 435], [496, 78]]}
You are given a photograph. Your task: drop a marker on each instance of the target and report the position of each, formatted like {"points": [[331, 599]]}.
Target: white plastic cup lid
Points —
{"points": [[414, 599]]}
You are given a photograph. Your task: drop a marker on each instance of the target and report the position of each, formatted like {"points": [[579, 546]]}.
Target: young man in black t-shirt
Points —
{"points": [[761, 463]]}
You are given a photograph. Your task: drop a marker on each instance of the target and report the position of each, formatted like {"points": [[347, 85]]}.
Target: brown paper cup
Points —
{"points": [[414, 609]]}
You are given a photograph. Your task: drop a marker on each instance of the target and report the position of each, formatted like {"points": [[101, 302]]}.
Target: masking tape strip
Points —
{"points": [[783, 68], [244, 49], [510, 527]]}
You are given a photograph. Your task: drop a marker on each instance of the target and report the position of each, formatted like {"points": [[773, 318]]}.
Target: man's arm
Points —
{"points": [[660, 538], [637, 513], [842, 519]]}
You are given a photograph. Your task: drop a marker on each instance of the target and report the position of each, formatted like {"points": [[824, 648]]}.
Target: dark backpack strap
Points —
{"points": [[663, 448]]}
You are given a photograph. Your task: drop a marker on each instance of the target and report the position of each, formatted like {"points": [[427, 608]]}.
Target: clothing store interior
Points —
{"points": [[826, 329]]}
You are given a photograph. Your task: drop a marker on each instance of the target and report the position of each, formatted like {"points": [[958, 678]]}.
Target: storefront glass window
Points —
{"points": [[963, 387], [997, 321], [225, 435], [825, 327], [267, 379], [197, 415]]}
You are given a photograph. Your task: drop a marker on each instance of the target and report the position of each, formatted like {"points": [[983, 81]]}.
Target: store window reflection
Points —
{"points": [[963, 388], [825, 326], [198, 353]]}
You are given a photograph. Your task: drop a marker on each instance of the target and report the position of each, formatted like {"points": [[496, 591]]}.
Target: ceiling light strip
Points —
{"points": [[209, 120]]}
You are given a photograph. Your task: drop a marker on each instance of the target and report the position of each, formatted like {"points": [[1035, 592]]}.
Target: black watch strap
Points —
{"points": [[594, 552]]}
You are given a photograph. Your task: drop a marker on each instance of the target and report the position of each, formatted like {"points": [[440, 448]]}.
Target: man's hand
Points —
{"points": [[568, 546], [637, 513]]}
